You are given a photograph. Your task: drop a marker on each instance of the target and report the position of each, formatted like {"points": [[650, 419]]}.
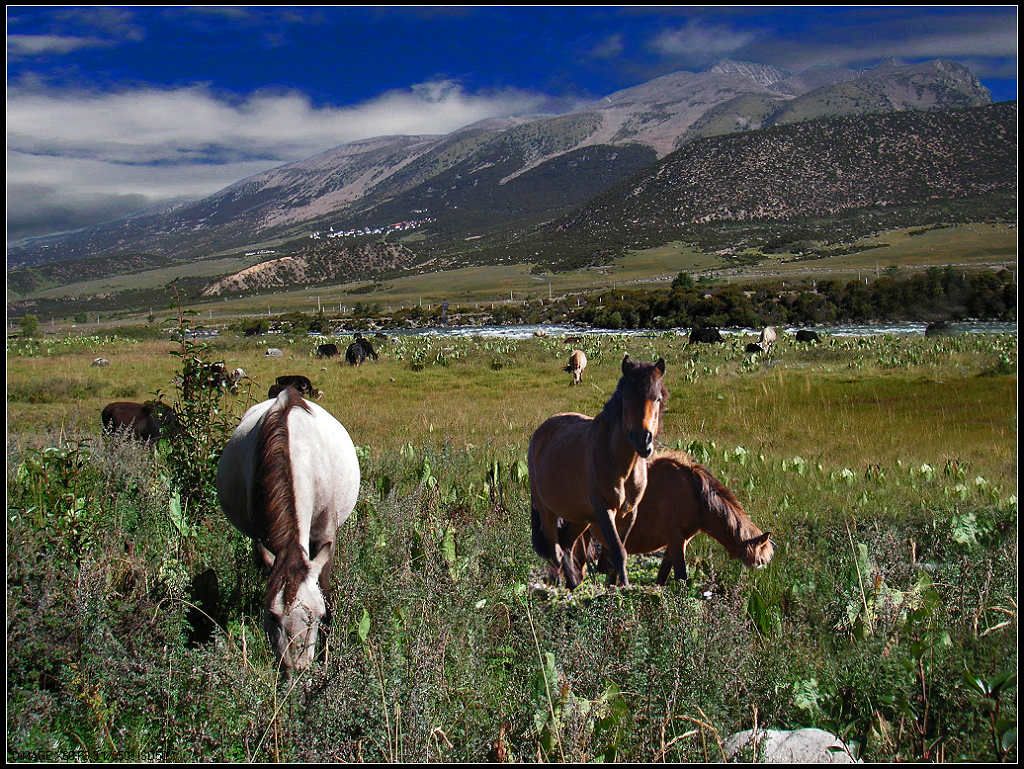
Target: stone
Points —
{"points": [[801, 746]]}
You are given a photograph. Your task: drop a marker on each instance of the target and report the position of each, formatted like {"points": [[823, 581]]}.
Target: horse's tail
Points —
{"points": [[541, 545]]}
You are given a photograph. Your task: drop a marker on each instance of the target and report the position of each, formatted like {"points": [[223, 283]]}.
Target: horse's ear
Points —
{"points": [[268, 557], [660, 365], [763, 538], [627, 364]]}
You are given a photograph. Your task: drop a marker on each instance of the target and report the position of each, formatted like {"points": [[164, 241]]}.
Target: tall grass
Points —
{"points": [[885, 472]]}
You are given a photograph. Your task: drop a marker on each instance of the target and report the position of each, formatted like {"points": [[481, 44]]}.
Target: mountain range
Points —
{"points": [[509, 175]]}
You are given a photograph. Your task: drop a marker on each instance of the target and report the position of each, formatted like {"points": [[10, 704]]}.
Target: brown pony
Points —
{"points": [[682, 498], [587, 470]]}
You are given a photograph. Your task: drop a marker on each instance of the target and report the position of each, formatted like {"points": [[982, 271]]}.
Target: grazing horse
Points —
{"points": [[587, 470], [326, 350], [577, 362], [288, 478], [299, 382], [709, 334], [768, 337], [140, 419], [682, 498], [355, 354], [368, 350], [805, 335]]}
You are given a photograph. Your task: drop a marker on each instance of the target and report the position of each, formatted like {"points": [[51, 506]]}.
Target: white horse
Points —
{"points": [[768, 337], [288, 478]]}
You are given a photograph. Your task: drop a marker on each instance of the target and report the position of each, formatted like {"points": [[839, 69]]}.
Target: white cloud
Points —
{"points": [[969, 44], [697, 42], [39, 45], [610, 48], [162, 144]]}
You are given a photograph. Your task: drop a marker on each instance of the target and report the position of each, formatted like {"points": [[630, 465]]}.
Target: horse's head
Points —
{"points": [[643, 399], [758, 551], [295, 607]]}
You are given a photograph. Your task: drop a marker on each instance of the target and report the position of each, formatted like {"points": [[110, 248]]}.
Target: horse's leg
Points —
{"points": [[675, 555], [545, 537], [568, 534], [681, 572], [616, 551], [666, 567]]}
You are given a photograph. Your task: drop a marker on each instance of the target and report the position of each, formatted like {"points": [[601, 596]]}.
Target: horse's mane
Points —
{"points": [[613, 407], [710, 492], [276, 498]]}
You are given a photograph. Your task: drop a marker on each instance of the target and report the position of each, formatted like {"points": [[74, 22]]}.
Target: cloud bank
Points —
{"points": [[145, 146]]}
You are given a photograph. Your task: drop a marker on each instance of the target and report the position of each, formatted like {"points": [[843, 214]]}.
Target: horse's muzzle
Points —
{"points": [[643, 442]]}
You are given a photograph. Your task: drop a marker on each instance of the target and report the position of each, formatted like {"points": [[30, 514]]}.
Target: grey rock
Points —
{"points": [[801, 746]]}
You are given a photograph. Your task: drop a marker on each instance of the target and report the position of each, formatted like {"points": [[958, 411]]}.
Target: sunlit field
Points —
{"points": [[885, 468]]}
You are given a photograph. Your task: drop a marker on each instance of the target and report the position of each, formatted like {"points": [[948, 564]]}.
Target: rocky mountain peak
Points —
{"points": [[762, 74]]}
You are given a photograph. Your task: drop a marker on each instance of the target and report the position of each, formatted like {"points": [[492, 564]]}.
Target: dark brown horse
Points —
{"points": [[140, 420], [683, 498], [587, 470], [299, 382]]}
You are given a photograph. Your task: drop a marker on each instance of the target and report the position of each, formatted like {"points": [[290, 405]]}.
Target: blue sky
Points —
{"points": [[111, 109]]}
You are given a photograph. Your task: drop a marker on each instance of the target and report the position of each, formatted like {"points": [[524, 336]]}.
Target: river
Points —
{"points": [[526, 331]]}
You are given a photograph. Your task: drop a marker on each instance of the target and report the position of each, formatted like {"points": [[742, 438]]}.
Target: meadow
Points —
{"points": [[885, 468]]}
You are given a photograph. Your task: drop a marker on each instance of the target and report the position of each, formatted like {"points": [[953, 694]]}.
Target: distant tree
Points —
{"points": [[29, 325], [81, 317], [682, 282]]}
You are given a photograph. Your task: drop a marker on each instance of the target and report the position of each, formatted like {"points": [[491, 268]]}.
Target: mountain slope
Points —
{"points": [[817, 168], [509, 171]]}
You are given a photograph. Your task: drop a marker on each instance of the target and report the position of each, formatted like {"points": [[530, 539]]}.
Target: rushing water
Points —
{"points": [[846, 329]]}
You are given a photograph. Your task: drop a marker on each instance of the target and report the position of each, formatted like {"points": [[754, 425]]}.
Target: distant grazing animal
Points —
{"points": [[273, 352], [367, 347], [138, 419], [359, 350], [592, 470], [768, 337], [682, 498], [318, 394], [355, 354], [100, 362], [938, 328], [327, 350], [753, 348], [235, 378], [709, 334], [288, 478], [299, 382], [577, 362], [573, 339], [805, 335]]}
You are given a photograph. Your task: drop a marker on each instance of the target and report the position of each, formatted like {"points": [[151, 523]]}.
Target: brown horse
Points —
{"points": [[587, 470], [682, 498]]}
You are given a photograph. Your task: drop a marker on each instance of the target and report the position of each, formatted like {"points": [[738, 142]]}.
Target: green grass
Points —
{"points": [[884, 468]]}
